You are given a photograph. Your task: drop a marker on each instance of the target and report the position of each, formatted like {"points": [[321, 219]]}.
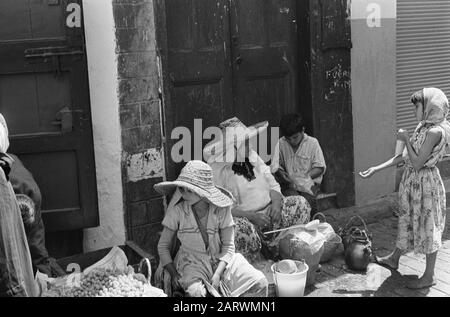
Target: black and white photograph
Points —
{"points": [[238, 150]]}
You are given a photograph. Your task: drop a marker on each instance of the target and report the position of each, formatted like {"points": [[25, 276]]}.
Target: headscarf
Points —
{"points": [[436, 109], [4, 140]]}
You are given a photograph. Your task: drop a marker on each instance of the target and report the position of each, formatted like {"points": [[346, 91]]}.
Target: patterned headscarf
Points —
{"points": [[436, 109]]}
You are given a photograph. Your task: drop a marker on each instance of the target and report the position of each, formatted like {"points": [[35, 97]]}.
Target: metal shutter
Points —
{"points": [[423, 52]]}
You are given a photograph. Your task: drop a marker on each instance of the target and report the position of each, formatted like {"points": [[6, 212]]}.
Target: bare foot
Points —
{"points": [[423, 282], [388, 261]]}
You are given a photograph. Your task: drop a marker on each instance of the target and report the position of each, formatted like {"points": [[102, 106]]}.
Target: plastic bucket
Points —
{"points": [[291, 285]]}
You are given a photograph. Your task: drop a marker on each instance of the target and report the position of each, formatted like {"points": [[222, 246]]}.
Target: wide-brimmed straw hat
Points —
{"points": [[233, 129], [197, 176]]}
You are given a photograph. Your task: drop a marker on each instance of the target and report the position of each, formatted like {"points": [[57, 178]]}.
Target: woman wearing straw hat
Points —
{"points": [[259, 206], [199, 214]]}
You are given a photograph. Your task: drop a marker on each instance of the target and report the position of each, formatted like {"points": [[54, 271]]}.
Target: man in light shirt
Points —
{"points": [[298, 163]]}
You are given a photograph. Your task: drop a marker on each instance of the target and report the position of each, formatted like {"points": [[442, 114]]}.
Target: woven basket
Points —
{"points": [[330, 245], [330, 248]]}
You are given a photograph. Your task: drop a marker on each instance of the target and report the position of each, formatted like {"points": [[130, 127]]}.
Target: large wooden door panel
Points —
{"points": [[228, 58], [44, 97], [198, 66], [264, 59]]}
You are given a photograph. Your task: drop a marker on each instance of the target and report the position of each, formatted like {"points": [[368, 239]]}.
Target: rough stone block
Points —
{"points": [[130, 116], [137, 214], [145, 15], [144, 165], [128, 65], [156, 210], [150, 115], [133, 90], [140, 139], [146, 212], [147, 65], [147, 237], [124, 15], [142, 190], [135, 39]]}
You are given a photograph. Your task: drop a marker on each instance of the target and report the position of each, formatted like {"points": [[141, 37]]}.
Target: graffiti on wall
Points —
{"points": [[337, 79]]}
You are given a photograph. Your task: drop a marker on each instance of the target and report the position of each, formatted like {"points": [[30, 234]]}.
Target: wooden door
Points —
{"points": [[198, 68], [228, 58], [44, 97], [264, 60]]}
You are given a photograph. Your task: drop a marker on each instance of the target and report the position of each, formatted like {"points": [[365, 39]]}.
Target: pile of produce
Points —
{"points": [[287, 267], [105, 283]]}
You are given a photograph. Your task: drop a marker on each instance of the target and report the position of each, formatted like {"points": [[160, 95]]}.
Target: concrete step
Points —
{"points": [[326, 201]]}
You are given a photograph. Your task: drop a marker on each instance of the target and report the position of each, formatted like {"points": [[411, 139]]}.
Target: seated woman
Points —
{"points": [[202, 221], [260, 205]]}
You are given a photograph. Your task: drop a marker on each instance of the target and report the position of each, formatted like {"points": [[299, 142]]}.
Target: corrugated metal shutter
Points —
{"points": [[423, 52]]}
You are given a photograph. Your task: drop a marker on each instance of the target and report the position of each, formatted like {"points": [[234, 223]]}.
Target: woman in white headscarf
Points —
{"points": [[16, 272], [421, 192]]}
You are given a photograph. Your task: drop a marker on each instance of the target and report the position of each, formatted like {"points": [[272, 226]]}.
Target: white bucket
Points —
{"points": [[291, 285]]}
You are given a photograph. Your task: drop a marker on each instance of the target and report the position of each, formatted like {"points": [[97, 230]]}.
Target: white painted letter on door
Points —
{"points": [[74, 18]]}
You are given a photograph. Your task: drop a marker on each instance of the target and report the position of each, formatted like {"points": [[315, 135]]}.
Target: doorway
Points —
{"points": [[44, 96], [227, 58]]}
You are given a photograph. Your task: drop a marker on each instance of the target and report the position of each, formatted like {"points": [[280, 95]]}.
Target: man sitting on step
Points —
{"points": [[298, 163]]}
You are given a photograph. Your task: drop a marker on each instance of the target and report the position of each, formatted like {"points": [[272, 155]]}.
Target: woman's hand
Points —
{"points": [[215, 281], [403, 135], [275, 211], [260, 219], [176, 285], [368, 173]]}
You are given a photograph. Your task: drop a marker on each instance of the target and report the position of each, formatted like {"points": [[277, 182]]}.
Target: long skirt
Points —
{"points": [[421, 220], [16, 272], [249, 239]]}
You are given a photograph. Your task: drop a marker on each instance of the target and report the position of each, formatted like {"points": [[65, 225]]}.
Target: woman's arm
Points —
{"points": [[391, 162], [418, 160], [283, 179], [276, 205], [394, 161], [226, 255], [165, 258]]}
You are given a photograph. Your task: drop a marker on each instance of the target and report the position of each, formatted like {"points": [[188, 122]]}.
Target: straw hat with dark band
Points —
{"points": [[234, 132], [197, 177]]}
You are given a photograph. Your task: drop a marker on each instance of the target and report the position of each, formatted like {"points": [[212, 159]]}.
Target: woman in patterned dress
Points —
{"points": [[421, 193], [260, 205]]}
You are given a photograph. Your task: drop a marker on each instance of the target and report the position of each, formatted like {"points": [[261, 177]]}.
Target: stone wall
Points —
{"points": [[140, 120]]}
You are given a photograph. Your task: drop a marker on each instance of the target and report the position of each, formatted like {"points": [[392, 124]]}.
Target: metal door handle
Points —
{"points": [[64, 118], [239, 60]]}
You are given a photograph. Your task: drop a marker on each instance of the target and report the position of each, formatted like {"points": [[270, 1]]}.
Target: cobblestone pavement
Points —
{"points": [[335, 280]]}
